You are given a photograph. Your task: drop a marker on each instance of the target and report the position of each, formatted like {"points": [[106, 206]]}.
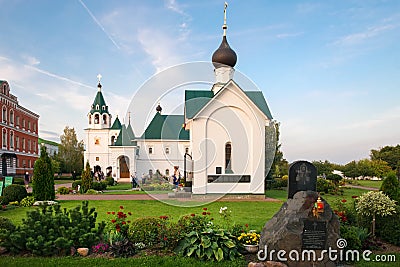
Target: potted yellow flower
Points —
{"points": [[250, 241]]}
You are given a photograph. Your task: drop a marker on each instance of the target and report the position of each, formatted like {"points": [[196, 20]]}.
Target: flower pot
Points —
{"points": [[251, 248]]}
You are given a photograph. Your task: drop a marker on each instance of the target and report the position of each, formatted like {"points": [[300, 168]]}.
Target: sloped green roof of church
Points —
{"points": [[168, 127], [124, 138], [100, 103], [195, 100], [130, 131], [116, 125]]}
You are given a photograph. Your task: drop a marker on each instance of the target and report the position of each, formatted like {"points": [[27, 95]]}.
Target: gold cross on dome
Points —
{"points": [[99, 77]]}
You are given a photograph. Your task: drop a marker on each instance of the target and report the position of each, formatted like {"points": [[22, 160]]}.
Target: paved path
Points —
{"points": [[362, 187]]}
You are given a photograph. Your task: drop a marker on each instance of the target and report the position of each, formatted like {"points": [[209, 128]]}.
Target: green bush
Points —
{"points": [[350, 233], [27, 202], [99, 186], [336, 178], [43, 177], [76, 183], [63, 190], [6, 224], [146, 230], [52, 231], [13, 193], [193, 222], [390, 186], [110, 181], [280, 182], [209, 245], [325, 186], [389, 227], [92, 192]]}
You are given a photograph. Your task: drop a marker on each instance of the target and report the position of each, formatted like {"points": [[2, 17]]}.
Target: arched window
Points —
{"points": [[167, 172], [96, 119], [12, 117], [228, 157], [97, 107], [90, 119], [11, 139], [103, 107], [4, 114], [104, 118], [4, 138]]}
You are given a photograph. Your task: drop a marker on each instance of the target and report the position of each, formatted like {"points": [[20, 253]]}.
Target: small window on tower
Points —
{"points": [[97, 141], [150, 150], [167, 172], [104, 119], [167, 150], [97, 158], [97, 107], [96, 119]]}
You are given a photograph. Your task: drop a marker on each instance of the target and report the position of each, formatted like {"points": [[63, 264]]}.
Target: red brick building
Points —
{"points": [[19, 135]]}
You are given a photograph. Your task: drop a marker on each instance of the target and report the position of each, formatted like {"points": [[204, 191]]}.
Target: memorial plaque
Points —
{"points": [[314, 235], [302, 177]]}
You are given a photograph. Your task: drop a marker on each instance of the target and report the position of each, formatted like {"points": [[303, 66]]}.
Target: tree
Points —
{"points": [[390, 186], [335, 178], [87, 179], [323, 167], [390, 154], [43, 177], [375, 203], [70, 151], [350, 169], [279, 166]]}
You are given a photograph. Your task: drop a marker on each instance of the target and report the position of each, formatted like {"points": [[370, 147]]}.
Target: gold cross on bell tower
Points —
{"points": [[99, 78]]}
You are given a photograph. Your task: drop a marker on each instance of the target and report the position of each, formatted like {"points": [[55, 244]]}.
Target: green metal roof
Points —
{"points": [[166, 127], [124, 138], [130, 131], [258, 99], [195, 100], [116, 125], [43, 141], [99, 100]]}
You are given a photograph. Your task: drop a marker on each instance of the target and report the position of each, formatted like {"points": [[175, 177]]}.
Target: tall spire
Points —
{"points": [[224, 27]]}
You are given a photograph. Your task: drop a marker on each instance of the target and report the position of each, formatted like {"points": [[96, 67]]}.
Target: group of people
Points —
{"points": [[98, 176], [135, 180]]}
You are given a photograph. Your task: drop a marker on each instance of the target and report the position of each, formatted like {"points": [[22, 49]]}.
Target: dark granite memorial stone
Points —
{"points": [[302, 177], [314, 235]]}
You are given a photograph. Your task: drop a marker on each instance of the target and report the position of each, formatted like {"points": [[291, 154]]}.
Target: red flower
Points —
{"points": [[165, 239], [113, 212], [121, 207], [204, 208], [123, 222], [130, 213], [113, 221], [192, 214], [344, 200], [208, 213], [204, 213], [108, 212], [247, 225], [354, 196]]}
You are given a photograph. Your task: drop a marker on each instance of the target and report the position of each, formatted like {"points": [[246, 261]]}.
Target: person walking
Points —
{"points": [[133, 180], [26, 180]]}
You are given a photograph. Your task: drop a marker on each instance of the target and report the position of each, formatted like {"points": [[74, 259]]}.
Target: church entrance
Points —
{"points": [[123, 167]]}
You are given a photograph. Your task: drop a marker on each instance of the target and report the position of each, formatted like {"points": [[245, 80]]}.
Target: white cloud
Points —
{"points": [[360, 37], [30, 60], [288, 35]]}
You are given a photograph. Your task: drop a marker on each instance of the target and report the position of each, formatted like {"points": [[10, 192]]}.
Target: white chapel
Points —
{"points": [[220, 143]]}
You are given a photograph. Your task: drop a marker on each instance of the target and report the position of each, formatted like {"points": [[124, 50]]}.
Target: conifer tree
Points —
{"points": [[86, 178], [390, 186], [43, 177]]}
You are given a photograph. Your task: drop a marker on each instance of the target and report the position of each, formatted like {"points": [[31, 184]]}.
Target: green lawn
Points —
{"points": [[369, 183], [256, 214], [62, 181]]}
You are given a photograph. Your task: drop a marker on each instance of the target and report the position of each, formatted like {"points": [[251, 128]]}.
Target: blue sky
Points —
{"points": [[330, 70]]}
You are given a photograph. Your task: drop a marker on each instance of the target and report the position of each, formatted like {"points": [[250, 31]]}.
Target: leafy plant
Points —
{"points": [[27, 202], [146, 230], [91, 192], [123, 248], [100, 248], [99, 186], [390, 186], [13, 193], [43, 177], [63, 190], [110, 181], [209, 245], [118, 222], [52, 231], [389, 227], [374, 204]]}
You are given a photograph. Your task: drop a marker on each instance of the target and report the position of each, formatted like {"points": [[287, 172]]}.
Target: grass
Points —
{"points": [[253, 213], [369, 183], [146, 261], [63, 181]]}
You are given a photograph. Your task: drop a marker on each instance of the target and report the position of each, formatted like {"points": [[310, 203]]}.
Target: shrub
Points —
{"points": [[336, 178], [43, 177], [92, 192], [389, 228], [63, 190], [350, 233], [146, 230], [14, 192], [86, 178], [280, 183], [28, 201], [6, 224], [193, 222], [325, 186], [52, 231], [390, 186], [209, 245], [76, 183], [123, 248], [110, 181], [99, 186]]}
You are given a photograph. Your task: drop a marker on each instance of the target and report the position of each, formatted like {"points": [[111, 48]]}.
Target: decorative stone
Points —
{"points": [[286, 228], [255, 264], [83, 251], [274, 264]]}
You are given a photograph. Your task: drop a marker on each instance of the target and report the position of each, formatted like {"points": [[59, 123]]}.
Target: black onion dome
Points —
{"points": [[158, 108], [224, 55]]}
